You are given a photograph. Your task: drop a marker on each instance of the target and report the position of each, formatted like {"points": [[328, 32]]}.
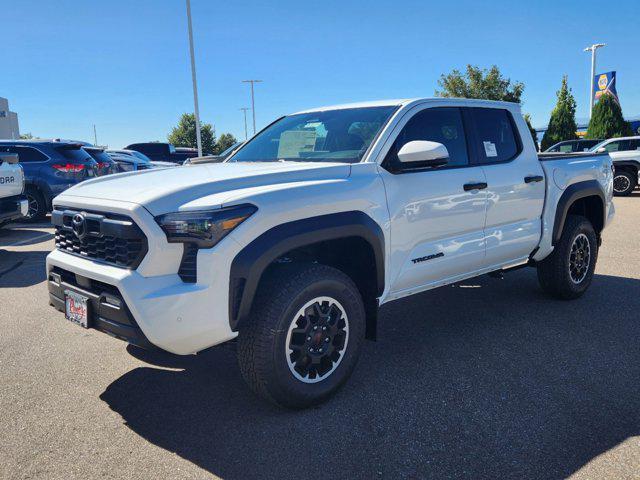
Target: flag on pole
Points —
{"points": [[605, 84]]}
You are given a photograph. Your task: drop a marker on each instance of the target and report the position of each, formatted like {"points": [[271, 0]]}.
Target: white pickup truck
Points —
{"points": [[293, 243], [13, 205]]}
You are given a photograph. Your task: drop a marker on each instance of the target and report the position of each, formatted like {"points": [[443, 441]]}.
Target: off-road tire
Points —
{"points": [[554, 273], [262, 341]]}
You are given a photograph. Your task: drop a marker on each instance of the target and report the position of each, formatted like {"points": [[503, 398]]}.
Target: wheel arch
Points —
{"points": [[582, 198], [350, 241], [627, 165]]}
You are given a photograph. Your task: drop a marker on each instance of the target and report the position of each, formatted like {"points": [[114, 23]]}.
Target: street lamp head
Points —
{"points": [[594, 47]]}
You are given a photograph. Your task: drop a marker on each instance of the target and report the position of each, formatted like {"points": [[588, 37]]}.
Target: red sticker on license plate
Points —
{"points": [[76, 308]]}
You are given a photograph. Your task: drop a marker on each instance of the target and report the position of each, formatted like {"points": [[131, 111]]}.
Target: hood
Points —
{"points": [[176, 186]]}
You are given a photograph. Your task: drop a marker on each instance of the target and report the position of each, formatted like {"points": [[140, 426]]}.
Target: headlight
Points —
{"points": [[204, 228]]}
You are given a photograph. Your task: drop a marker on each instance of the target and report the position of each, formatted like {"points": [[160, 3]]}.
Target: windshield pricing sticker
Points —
{"points": [[490, 149], [294, 142]]}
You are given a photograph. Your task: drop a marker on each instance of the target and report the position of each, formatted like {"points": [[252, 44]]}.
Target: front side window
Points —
{"points": [[441, 124], [496, 140], [612, 147], [566, 148], [342, 135]]}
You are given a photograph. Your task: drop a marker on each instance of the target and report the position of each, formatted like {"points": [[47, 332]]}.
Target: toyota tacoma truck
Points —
{"points": [[13, 205], [291, 245]]}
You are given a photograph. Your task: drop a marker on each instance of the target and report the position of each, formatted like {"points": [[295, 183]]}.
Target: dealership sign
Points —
{"points": [[604, 84]]}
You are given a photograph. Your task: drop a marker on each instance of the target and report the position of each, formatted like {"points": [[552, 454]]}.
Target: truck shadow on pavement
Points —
{"points": [[22, 269], [486, 379]]}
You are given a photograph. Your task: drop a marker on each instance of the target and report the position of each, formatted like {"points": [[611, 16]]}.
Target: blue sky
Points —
{"points": [[124, 64]]}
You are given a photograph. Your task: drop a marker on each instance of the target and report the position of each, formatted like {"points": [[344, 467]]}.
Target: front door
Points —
{"points": [[437, 214]]}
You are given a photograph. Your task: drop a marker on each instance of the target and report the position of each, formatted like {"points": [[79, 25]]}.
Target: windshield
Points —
{"points": [[329, 136]]}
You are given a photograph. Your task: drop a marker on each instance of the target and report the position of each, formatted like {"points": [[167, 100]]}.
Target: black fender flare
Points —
{"points": [[250, 263], [576, 191]]}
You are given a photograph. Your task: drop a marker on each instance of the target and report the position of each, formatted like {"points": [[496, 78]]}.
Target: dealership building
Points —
{"points": [[9, 128]]}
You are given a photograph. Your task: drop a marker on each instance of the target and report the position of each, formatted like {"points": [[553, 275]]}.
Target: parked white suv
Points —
{"points": [[625, 153], [292, 244], [13, 205]]}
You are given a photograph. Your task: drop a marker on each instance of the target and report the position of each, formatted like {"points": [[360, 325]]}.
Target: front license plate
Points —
{"points": [[76, 308]]}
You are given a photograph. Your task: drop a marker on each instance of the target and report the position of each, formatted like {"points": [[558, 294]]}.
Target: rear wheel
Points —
{"points": [[568, 271], [624, 183], [37, 205], [304, 335]]}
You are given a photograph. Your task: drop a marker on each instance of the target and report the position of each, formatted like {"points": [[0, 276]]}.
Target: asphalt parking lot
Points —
{"points": [[486, 379]]}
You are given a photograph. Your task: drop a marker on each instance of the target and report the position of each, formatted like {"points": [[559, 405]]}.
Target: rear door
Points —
{"points": [[515, 184], [437, 218]]}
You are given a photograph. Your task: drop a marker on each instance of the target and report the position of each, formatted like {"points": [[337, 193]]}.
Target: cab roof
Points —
{"points": [[411, 101]]}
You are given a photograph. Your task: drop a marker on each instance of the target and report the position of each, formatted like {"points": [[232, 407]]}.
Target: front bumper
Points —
{"points": [[108, 310], [182, 318]]}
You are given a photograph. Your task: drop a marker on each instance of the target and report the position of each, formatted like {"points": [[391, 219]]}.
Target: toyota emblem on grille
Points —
{"points": [[79, 226]]}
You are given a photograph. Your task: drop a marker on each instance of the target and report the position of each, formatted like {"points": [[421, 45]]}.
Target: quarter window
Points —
{"points": [[443, 125], [495, 137]]}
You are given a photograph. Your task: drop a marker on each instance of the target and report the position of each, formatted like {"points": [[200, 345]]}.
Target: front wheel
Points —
{"points": [[304, 335], [624, 183], [568, 271]]}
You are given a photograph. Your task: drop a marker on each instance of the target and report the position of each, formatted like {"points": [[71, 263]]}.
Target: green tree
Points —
{"points": [[532, 131], [224, 141], [562, 124], [480, 83], [184, 134], [26, 136], [607, 120]]}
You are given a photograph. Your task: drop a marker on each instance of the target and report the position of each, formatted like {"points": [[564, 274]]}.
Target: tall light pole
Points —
{"points": [[95, 135], [592, 49], [253, 105], [244, 110], [193, 78]]}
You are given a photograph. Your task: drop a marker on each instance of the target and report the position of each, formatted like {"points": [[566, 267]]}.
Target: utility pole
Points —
{"points": [[244, 110], [253, 105], [592, 49], [193, 78], [95, 135]]}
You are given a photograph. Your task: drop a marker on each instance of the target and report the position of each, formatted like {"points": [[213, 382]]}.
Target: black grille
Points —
{"points": [[108, 238], [189, 265]]}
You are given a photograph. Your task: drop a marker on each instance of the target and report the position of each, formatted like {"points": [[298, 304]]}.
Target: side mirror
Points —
{"points": [[425, 153], [601, 150]]}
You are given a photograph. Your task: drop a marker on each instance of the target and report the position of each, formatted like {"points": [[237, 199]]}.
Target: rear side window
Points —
{"points": [[25, 154], [441, 124], [495, 135]]}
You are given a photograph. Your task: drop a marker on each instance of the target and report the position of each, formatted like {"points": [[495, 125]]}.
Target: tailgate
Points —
{"points": [[11, 176]]}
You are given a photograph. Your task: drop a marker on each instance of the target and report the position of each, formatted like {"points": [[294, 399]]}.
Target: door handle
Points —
{"points": [[474, 186], [533, 178]]}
